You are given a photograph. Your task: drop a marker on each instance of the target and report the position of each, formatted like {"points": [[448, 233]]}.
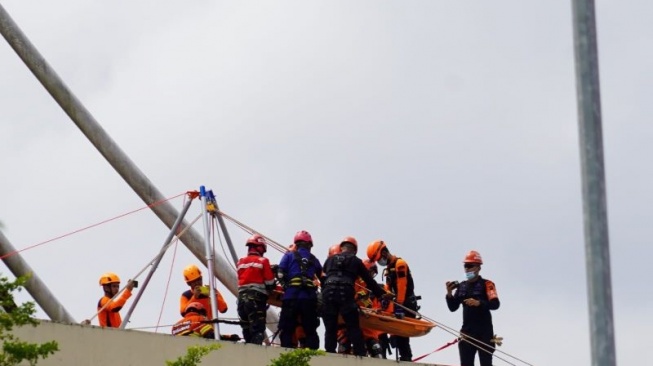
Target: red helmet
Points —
{"points": [[473, 257], [374, 250], [303, 236], [334, 249], [257, 240], [196, 307], [351, 240]]}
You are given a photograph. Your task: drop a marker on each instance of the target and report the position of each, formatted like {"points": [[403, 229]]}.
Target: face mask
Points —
{"points": [[470, 275], [382, 262]]}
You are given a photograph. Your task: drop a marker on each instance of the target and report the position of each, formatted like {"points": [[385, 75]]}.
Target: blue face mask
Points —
{"points": [[470, 275], [382, 262]]}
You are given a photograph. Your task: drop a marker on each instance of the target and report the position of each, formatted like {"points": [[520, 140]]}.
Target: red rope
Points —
{"points": [[90, 226], [439, 349]]}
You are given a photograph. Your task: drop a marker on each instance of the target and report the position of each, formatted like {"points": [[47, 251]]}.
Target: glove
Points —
{"points": [[399, 313], [385, 304], [205, 290]]}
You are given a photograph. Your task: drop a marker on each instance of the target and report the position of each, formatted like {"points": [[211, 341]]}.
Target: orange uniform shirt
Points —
{"points": [[110, 316], [189, 296]]}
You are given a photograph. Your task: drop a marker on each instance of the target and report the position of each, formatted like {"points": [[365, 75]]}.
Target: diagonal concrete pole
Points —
{"points": [[39, 291]]}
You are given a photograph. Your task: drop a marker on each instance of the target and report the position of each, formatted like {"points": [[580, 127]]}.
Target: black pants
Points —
{"points": [[251, 309], [468, 349], [403, 343], [339, 300], [403, 348], [307, 310]]}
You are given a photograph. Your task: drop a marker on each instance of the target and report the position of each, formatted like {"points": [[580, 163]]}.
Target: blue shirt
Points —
{"points": [[291, 268]]}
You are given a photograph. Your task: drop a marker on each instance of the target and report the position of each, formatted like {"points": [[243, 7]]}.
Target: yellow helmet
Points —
{"points": [[109, 278], [191, 273]]}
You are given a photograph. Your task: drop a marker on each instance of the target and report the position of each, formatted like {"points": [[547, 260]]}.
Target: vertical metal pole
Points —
{"points": [[597, 254], [223, 227], [209, 259], [155, 265]]}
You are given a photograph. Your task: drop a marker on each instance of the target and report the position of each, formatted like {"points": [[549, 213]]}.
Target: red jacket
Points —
{"points": [[254, 273]]}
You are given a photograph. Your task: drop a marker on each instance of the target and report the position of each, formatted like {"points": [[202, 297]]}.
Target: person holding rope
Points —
{"points": [[400, 281], [255, 280], [478, 296], [108, 309], [339, 296]]}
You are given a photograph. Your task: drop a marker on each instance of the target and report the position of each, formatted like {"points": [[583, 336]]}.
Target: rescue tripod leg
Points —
{"points": [[156, 262], [208, 207]]}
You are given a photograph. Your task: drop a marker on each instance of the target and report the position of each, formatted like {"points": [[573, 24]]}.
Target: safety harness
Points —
{"points": [[338, 273], [303, 280]]}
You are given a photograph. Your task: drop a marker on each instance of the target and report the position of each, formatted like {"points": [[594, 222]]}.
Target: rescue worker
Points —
{"points": [[199, 293], [109, 310], [255, 280], [194, 323], [478, 296], [338, 295], [297, 271], [333, 250], [400, 282], [364, 299]]}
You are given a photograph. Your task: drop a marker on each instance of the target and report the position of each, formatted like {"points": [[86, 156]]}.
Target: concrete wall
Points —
{"points": [[91, 345]]}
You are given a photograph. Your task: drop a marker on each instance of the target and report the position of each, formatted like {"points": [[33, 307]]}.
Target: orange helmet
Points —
{"points": [[371, 266], [191, 273], [109, 278], [473, 257], [257, 240], [334, 249], [350, 239], [196, 307], [374, 250]]}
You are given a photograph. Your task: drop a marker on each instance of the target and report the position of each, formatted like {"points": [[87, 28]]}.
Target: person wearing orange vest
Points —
{"points": [[108, 309], [400, 281], [478, 296], [255, 280], [199, 293], [194, 323]]}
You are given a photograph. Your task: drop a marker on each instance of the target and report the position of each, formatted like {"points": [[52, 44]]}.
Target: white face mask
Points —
{"points": [[470, 275], [382, 262]]}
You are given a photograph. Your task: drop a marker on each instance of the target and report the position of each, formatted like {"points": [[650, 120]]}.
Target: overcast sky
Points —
{"points": [[438, 126]]}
